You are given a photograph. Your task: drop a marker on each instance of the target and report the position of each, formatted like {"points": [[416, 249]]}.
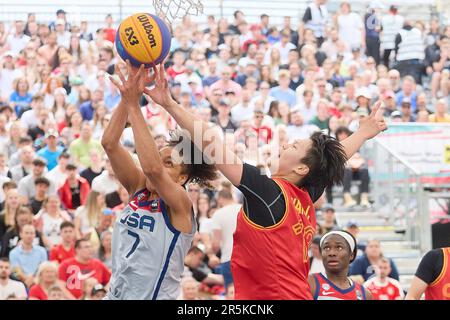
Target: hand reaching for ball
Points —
{"points": [[132, 87]]}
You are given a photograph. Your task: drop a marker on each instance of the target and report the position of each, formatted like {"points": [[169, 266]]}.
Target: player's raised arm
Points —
{"points": [[152, 165], [121, 161], [369, 127], [206, 139]]}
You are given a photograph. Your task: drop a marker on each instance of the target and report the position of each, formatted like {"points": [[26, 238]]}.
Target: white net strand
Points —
{"points": [[173, 9]]}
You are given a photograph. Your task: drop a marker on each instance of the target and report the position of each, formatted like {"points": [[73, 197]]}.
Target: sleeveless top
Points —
{"points": [[147, 252]]}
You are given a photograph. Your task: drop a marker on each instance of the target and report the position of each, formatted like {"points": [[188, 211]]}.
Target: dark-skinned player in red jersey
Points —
{"points": [[338, 249], [277, 221]]}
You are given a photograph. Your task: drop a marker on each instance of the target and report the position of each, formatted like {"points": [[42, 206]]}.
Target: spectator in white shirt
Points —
{"points": [[298, 129], [30, 118], [308, 107], [284, 46], [18, 40], [8, 74], [58, 174], [106, 182], [244, 109], [63, 36], [224, 225], [10, 288]]}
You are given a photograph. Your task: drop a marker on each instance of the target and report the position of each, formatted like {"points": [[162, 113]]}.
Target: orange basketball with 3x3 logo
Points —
{"points": [[143, 38]]}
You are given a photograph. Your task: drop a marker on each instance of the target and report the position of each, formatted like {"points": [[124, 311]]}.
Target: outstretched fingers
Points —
{"points": [[375, 109], [116, 83], [119, 73]]}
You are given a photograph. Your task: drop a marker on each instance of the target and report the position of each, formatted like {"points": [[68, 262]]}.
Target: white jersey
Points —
{"points": [[147, 252]]}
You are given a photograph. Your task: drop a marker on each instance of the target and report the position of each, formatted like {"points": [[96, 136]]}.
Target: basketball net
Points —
{"points": [[170, 10]]}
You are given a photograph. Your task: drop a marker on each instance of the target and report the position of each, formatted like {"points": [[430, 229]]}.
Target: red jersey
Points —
{"points": [[110, 34], [264, 134], [272, 263], [173, 73], [439, 289], [391, 290], [59, 253], [326, 290], [74, 273]]}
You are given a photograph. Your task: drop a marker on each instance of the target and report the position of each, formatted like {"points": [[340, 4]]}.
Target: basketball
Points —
{"points": [[143, 38]]}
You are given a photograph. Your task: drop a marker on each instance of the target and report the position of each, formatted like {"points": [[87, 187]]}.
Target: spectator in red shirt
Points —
{"points": [[109, 31], [264, 132], [381, 285], [75, 190], [47, 277], [75, 271], [66, 249], [178, 65]]}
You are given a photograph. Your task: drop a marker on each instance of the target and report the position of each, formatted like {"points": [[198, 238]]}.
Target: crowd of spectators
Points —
{"points": [[263, 85]]}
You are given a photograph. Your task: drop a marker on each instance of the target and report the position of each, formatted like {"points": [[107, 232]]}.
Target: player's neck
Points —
{"points": [[340, 280], [4, 281]]}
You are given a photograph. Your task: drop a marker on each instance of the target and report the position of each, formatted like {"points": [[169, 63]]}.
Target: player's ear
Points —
{"points": [[301, 170]]}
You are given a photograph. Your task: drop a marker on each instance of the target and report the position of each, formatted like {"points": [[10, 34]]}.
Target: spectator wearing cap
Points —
{"points": [[409, 51], [52, 150], [328, 222], [407, 115], [389, 102], [363, 98], [315, 260], [26, 257], [98, 292], [223, 117], [391, 24], [226, 83], [17, 40], [58, 174], [352, 227], [73, 193], [80, 148], [42, 185], [60, 15], [21, 98], [62, 35], [441, 114], [283, 92], [298, 129], [396, 116], [26, 185]]}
